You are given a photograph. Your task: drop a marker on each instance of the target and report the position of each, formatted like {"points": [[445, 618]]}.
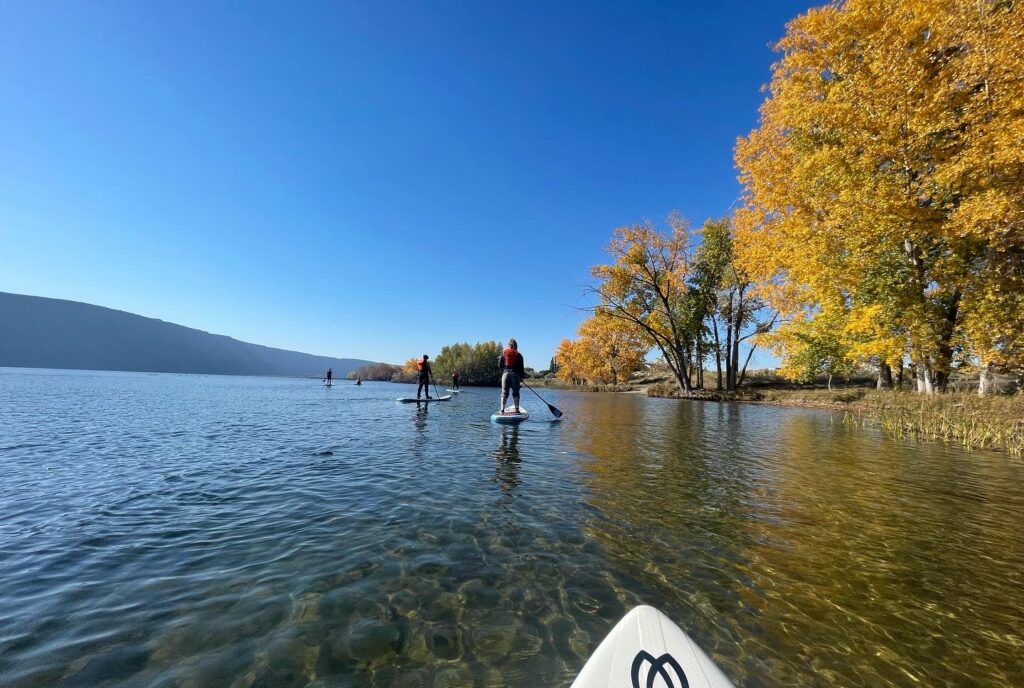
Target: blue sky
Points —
{"points": [[368, 180]]}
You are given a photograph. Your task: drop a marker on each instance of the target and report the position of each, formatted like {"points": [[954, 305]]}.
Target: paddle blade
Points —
{"points": [[554, 411]]}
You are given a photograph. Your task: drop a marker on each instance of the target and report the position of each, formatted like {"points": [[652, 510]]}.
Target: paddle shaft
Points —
{"points": [[554, 410]]}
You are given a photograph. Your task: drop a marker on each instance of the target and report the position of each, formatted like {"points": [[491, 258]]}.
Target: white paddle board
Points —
{"points": [[509, 415], [453, 391], [647, 650], [414, 400]]}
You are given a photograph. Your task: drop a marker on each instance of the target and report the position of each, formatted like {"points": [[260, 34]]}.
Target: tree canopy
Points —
{"points": [[884, 187], [476, 364], [679, 291], [608, 351]]}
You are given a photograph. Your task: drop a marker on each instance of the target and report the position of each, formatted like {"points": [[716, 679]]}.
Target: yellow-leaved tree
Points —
{"points": [[646, 287], [609, 350], [618, 345], [571, 361], [884, 186]]}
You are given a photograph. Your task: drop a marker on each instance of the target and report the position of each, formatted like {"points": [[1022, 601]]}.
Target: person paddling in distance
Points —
{"points": [[513, 372], [424, 376], [455, 380], [330, 375]]}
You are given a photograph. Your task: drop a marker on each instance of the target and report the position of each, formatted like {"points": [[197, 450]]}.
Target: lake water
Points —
{"points": [[176, 530]]}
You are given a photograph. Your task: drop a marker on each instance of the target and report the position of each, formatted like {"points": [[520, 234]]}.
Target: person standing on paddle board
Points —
{"points": [[513, 372], [424, 376], [330, 374], [455, 380]]}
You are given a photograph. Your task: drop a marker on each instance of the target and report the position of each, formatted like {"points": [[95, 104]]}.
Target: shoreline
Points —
{"points": [[993, 423]]}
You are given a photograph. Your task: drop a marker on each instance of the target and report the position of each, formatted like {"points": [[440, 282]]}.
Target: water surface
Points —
{"points": [[175, 530]]}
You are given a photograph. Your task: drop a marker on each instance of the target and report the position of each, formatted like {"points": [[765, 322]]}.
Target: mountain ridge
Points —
{"points": [[42, 332]]}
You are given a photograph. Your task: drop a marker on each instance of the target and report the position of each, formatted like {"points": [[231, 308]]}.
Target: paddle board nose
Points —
{"points": [[647, 650], [509, 416]]}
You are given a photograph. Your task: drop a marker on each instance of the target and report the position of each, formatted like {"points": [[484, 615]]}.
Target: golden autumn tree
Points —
{"points": [[572, 362], [682, 292], [646, 287], [884, 186], [608, 351], [618, 346]]}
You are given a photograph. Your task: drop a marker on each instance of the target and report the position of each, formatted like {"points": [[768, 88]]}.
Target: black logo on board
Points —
{"points": [[665, 666]]}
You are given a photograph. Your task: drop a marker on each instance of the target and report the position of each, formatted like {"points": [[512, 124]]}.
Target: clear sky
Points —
{"points": [[362, 179]]}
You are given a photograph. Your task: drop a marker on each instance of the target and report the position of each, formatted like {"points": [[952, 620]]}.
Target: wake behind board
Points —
{"points": [[647, 650], [414, 400], [509, 416]]}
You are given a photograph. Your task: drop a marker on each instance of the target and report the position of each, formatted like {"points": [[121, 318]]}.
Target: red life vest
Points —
{"points": [[508, 358]]}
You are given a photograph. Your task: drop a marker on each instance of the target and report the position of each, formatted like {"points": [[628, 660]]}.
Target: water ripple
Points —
{"points": [[176, 530]]}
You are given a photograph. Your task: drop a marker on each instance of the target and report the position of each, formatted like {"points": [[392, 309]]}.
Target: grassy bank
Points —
{"points": [[552, 383], [995, 422]]}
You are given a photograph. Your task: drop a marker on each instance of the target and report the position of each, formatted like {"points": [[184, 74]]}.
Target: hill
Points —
{"points": [[37, 332]]}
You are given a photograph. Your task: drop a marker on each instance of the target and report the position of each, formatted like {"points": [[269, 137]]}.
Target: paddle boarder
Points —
{"points": [[512, 373], [424, 376], [330, 374], [455, 380]]}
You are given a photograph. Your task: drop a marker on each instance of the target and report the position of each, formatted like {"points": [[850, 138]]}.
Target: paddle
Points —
{"points": [[435, 386], [554, 411]]}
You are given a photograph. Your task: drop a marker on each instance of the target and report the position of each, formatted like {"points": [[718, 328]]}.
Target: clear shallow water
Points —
{"points": [[171, 530]]}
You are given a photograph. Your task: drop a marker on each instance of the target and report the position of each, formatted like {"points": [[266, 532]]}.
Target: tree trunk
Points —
{"points": [[884, 376], [729, 374], [614, 369], [743, 372], [682, 373], [944, 357], [985, 380], [899, 375], [737, 328], [924, 379], [718, 355], [700, 363], [830, 382]]}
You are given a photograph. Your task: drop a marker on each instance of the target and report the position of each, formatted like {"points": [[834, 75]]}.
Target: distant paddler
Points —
{"points": [[455, 380], [512, 373], [423, 377], [330, 376], [359, 381]]}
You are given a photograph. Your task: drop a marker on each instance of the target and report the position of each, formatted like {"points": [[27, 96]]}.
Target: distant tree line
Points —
{"points": [[477, 364], [382, 372]]}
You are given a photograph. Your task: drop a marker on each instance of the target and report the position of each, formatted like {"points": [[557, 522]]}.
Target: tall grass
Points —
{"points": [[974, 422], [993, 422]]}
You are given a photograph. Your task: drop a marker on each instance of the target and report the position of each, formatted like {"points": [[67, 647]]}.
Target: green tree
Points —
{"points": [[476, 364], [815, 347]]}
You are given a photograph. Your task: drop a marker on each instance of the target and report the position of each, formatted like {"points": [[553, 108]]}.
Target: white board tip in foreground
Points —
{"points": [[647, 650]]}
